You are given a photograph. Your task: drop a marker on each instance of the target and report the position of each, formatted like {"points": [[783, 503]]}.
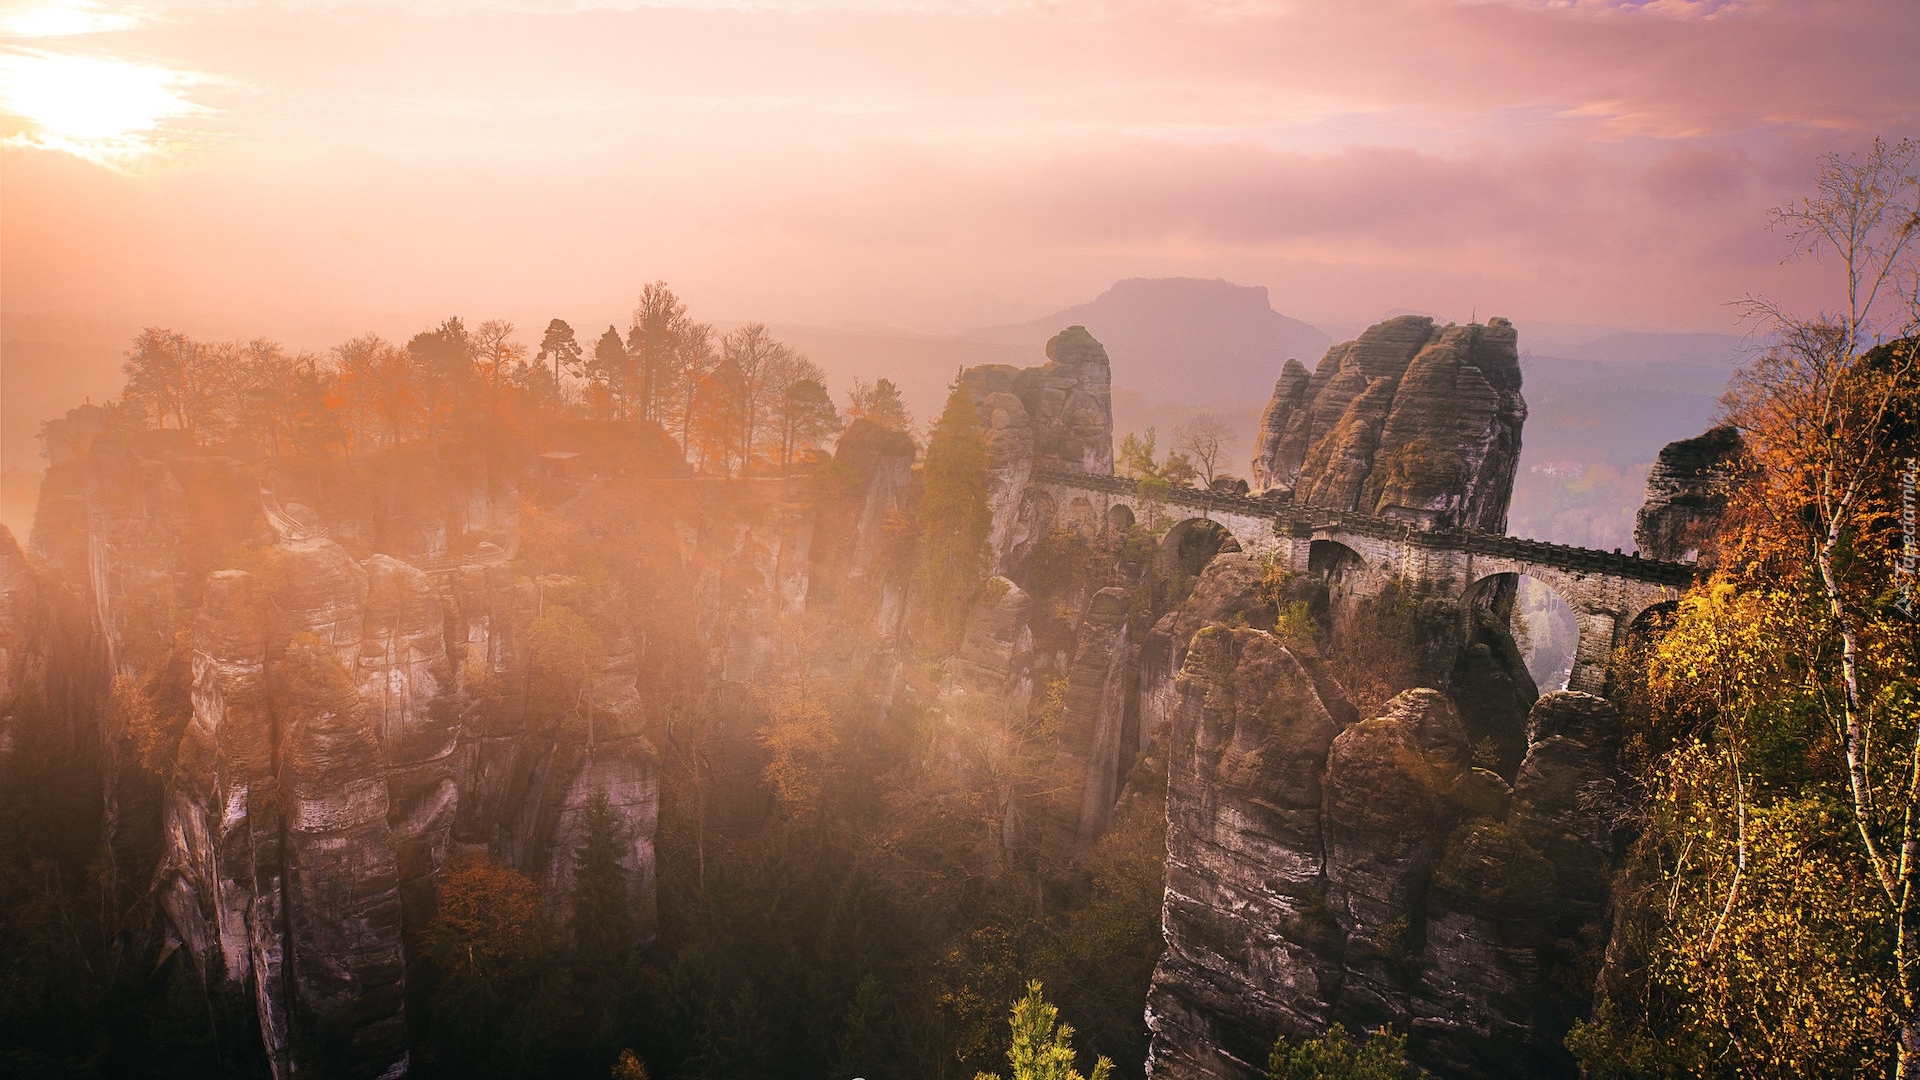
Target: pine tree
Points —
{"points": [[611, 367], [880, 402], [1042, 1047], [602, 917], [560, 346]]}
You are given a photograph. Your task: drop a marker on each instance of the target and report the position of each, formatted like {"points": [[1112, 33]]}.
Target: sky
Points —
{"points": [[315, 167]]}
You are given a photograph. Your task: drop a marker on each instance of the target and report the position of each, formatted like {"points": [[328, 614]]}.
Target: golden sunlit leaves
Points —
{"points": [[1788, 974], [488, 921], [800, 736]]}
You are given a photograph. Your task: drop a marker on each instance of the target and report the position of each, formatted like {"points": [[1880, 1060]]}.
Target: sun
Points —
{"points": [[105, 110], [64, 19], [81, 101]]}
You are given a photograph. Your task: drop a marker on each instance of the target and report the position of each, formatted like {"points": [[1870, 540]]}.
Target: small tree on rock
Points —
{"points": [[1042, 1046]]}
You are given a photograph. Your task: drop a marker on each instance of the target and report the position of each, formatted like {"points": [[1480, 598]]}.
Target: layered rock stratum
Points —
{"points": [[1058, 417], [1408, 420], [1326, 869]]}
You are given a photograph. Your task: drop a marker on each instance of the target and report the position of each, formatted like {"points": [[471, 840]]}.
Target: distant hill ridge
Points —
{"points": [[1193, 340]]}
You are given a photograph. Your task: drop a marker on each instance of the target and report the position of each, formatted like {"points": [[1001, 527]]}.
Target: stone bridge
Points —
{"points": [[1607, 591]]}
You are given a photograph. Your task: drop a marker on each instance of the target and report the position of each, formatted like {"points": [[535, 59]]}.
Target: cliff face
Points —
{"points": [[349, 726], [1687, 492], [1058, 417], [1322, 869], [45, 657], [321, 780], [848, 556], [1408, 420]]}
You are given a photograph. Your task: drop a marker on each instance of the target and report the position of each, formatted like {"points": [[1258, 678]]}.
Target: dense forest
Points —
{"points": [[825, 905], [855, 869]]}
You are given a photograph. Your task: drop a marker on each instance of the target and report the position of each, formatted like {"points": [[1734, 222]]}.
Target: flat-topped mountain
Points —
{"points": [[1193, 340]]}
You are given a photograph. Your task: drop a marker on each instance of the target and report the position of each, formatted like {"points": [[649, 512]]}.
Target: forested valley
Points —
{"points": [[635, 704]]}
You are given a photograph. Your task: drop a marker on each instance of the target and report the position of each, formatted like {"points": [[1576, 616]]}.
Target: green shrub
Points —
{"points": [[1379, 1056]]}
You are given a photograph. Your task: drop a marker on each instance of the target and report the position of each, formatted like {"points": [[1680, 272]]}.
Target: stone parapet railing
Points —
{"points": [[1305, 521]]}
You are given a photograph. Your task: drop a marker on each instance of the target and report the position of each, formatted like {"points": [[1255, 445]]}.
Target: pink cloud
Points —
{"points": [[1605, 162]]}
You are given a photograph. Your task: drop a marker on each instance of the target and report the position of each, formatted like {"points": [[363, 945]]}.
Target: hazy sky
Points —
{"points": [[262, 168]]}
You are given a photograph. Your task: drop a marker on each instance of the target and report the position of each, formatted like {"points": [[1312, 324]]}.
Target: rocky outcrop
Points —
{"points": [[339, 748], [1687, 492], [132, 522], [1228, 591], [45, 660], [1324, 870], [995, 659], [1058, 417], [1008, 432], [882, 460], [1408, 420], [283, 872], [850, 553], [1070, 398], [1251, 942], [1099, 723], [1275, 466]]}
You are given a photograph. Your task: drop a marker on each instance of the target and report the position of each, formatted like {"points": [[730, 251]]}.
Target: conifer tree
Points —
{"points": [[559, 346], [1042, 1047], [602, 918], [954, 519]]}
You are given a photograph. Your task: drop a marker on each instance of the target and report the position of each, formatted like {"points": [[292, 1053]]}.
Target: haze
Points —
{"points": [[306, 171]]}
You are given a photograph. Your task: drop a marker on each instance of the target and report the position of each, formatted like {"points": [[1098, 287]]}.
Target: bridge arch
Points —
{"points": [[1358, 554], [1045, 511], [1081, 516], [1544, 625], [1336, 562], [1638, 634], [1651, 622], [1191, 544], [1604, 608]]}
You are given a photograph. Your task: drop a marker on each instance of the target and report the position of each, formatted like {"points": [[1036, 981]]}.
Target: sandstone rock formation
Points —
{"points": [[1408, 420], [1099, 725], [1228, 591], [995, 659], [327, 772], [1324, 870], [1250, 937], [45, 662], [333, 758], [1274, 468], [1058, 417], [1687, 492], [848, 539]]}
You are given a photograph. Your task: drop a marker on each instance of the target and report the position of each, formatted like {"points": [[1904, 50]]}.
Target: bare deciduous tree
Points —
{"points": [[1206, 440], [495, 350], [653, 339]]}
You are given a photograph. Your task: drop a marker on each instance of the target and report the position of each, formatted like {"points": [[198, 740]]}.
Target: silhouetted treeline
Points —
{"points": [[734, 404]]}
